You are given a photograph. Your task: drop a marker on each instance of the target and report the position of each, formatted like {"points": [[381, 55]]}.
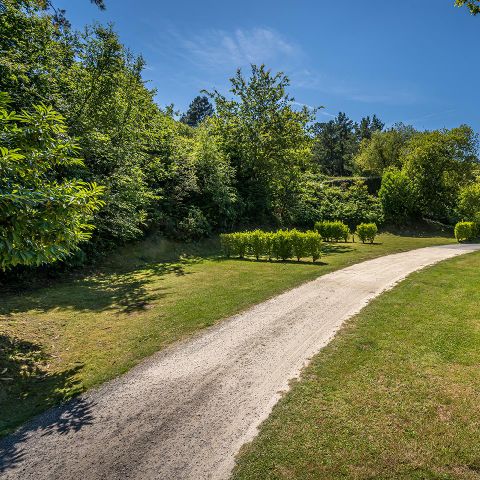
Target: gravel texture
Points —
{"points": [[185, 412]]}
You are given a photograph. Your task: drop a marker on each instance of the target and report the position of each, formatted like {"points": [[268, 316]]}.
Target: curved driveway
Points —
{"points": [[185, 412]]}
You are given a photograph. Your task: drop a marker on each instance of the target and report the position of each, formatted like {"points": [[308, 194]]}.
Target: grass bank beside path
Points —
{"points": [[60, 339], [396, 394]]}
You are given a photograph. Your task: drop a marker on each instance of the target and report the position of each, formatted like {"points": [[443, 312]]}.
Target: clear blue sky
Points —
{"points": [[415, 61]]}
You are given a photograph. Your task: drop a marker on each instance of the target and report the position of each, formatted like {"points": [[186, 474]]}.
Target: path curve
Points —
{"points": [[185, 412]]}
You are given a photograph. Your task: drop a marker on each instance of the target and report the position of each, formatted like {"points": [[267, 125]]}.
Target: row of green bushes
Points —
{"points": [[337, 231], [282, 244], [465, 231]]}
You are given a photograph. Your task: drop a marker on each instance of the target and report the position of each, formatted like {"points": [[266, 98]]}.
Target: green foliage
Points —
{"points": [[299, 244], [466, 231], [367, 232], [282, 244], [468, 207], [383, 150], [265, 140], [313, 244], [473, 5], [333, 231], [199, 110], [351, 204], [335, 145], [44, 212], [257, 243], [397, 196], [438, 163]]}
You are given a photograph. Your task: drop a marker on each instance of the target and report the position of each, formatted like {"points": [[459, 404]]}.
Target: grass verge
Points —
{"points": [[394, 396], [60, 339]]}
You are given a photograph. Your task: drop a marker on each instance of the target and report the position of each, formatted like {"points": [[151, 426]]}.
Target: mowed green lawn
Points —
{"points": [[60, 339], [396, 395]]}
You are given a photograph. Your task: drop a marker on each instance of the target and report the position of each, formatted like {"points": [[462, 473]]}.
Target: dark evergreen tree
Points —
{"points": [[198, 111], [367, 126], [335, 145]]}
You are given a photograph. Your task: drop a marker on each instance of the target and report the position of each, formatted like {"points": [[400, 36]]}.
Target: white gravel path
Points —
{"points": [[185, 412]]}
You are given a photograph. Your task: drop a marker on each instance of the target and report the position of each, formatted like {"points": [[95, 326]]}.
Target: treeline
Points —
{"points": [[87, 154]]}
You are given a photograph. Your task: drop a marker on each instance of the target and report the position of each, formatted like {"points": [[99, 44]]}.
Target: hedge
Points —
{"points": [[465, 231], [333, 231], [367, 232], [282, 244]]}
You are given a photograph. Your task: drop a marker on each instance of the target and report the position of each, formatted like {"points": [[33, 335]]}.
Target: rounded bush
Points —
{"points": [[367, 232], [465, 231], [333, 231]]}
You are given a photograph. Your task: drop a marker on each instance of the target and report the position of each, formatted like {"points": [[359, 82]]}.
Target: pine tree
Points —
{"points": [[198, 111]]}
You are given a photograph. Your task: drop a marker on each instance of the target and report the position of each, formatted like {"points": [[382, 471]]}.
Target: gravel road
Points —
{"points": [[185, 412]]}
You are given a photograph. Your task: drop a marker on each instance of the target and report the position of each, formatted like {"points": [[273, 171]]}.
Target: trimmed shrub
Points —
{"points": [[465, 231], [282, 244], [234, 243], [333, 231], [313, 244], [256, 243], [299, 244], [367, 232]]}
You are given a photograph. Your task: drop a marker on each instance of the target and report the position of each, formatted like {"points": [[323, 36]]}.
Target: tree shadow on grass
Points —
{"points": [[126, 291], [28, 388]]}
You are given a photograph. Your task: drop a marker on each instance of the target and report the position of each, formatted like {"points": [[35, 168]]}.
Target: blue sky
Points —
{"points": [[415, 61]]}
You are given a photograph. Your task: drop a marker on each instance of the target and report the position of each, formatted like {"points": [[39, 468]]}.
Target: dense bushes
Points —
{"points": [[283, 244], [367, 232], [397, 197], [333, 231], [466, 231], [350, 203]]}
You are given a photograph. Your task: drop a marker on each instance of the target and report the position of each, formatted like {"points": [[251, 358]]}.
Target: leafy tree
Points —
{"points": [[265, 140], [382, 150], [469, 202], [473, 5], [44, 212], [368, 126], [397, 196], [198, 111], [438, 163], [334, 146]]}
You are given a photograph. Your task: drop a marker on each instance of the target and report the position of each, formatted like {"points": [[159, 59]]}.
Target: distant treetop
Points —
{"points": [[198, 111]]}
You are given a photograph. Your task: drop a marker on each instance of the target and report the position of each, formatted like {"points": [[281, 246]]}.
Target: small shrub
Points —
{"points": [[299, 245], [367, 232], [257, 243], [234, 243], [313, 244], [333, 231], [282, 244], [226, 241], [193, 226], [465, 231]]}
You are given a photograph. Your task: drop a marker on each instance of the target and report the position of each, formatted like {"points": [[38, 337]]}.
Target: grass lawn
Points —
{"points": [[58, 340], [396, 395]]}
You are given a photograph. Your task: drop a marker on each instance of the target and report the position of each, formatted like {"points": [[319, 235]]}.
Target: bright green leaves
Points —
{"points": [[473, 5], [44, 213]]}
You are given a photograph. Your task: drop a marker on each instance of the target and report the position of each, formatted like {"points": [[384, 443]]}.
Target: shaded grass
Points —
{"points": [[79, 332], [396, 395]]}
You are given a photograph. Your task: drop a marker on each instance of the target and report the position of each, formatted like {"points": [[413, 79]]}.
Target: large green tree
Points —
{"points": [[45, 212], [335, 145], [382, 150], [265, 139], [439, 163]]}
